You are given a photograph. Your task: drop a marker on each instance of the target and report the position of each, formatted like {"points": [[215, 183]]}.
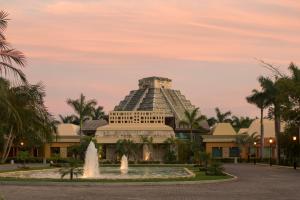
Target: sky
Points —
{"points": [[103, 47]]}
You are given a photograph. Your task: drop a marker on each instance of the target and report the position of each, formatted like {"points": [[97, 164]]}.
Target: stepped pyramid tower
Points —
{"points": [[156, 94]]}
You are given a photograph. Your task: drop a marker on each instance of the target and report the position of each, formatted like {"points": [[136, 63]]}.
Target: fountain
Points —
{"points": [[91, 164], [124, 165], [91, 170]]}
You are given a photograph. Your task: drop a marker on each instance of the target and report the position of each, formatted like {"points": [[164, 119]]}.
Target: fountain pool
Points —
{"points": [[91, 170], [108, 173]]}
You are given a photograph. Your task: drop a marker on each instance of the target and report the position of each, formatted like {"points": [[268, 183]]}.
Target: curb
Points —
{"points": [[277, 166], [43, 183]]}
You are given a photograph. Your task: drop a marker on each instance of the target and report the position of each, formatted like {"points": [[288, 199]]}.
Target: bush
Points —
{"points": [[215, 169], [170, 157], [148, 162], [105, 162], [225, 160], [28, 160]]}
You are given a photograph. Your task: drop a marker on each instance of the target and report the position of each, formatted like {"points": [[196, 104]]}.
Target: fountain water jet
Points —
{"points": [[91, 164], [124, 165]]}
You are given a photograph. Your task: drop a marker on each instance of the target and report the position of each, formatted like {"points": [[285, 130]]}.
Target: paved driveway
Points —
{"points": [[255, 182]]}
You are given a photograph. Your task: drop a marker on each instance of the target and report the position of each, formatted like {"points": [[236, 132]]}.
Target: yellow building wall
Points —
{"points": [[63, 148], [225, 146]]}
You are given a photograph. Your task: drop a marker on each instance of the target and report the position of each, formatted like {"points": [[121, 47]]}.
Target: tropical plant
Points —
{"points": [[69, 119], [72, 169], [272, 93], [170, 155], [222, 117], [261, 101], [212, 121], [83, 108], [192, 121], [204, 158], [171, 143], [80, 149], [24, 116], [11, 60], [23, 156], [241, 122], [215, 169], [97, 113], [126, 147], [244, 140]]}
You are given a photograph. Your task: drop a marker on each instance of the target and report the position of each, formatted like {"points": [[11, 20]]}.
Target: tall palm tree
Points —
{"points": [[222, 117], [241, 122], [83, 108], [247, 141], [261, 101], [98, 113], [69, 119], [270, 90], [192, 121], [9, 57], [26, 117]]}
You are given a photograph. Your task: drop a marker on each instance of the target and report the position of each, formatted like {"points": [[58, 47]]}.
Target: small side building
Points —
{"points": [[66, 136], [222, 142]]}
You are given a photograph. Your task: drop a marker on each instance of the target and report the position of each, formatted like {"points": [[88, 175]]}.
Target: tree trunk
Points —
{"points": [[191, 135], [7, 146], [262, 134], [71, 174], [277, 132], [80, 130]]}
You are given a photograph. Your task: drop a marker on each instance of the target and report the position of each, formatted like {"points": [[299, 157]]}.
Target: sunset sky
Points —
{"points": [[102, 47]]}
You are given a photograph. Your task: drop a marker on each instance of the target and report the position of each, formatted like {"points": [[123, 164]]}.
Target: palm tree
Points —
{"points": [[126, 147], [241, 122], [71, 168], [192, 121], [261, 101], [98, 113], [222, 117], [9, 57], [83, 108], [270, 90], [26, 117], [69, 119], [246, 140]]}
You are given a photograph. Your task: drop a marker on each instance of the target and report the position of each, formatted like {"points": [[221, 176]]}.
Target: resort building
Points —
{"points": [[156, 94], [222, 142], [135, 126], [67, 135]]}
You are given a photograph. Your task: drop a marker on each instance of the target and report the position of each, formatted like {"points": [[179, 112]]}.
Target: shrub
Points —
{"points": [[170, 157], [215, 169], [148, 162]]}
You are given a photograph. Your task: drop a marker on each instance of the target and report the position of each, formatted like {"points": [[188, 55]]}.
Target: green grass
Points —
{"points": [[199, 176]]}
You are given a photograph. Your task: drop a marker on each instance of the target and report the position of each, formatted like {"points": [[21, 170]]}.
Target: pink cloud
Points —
{"points": [[68, 43]]}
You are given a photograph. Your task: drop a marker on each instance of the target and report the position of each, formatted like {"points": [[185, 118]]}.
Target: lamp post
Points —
{"points": [[294, 149], [270, 142], [254, 159]]}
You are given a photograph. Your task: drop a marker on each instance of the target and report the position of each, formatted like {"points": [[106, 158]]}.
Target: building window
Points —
{"points": [[234, 152], [55, 150], [217, 152]]}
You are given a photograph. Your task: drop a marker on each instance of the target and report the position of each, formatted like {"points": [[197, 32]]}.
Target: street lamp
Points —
{"points": [[271, 142], [254, 160], [22, 143], [294, 148]]}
